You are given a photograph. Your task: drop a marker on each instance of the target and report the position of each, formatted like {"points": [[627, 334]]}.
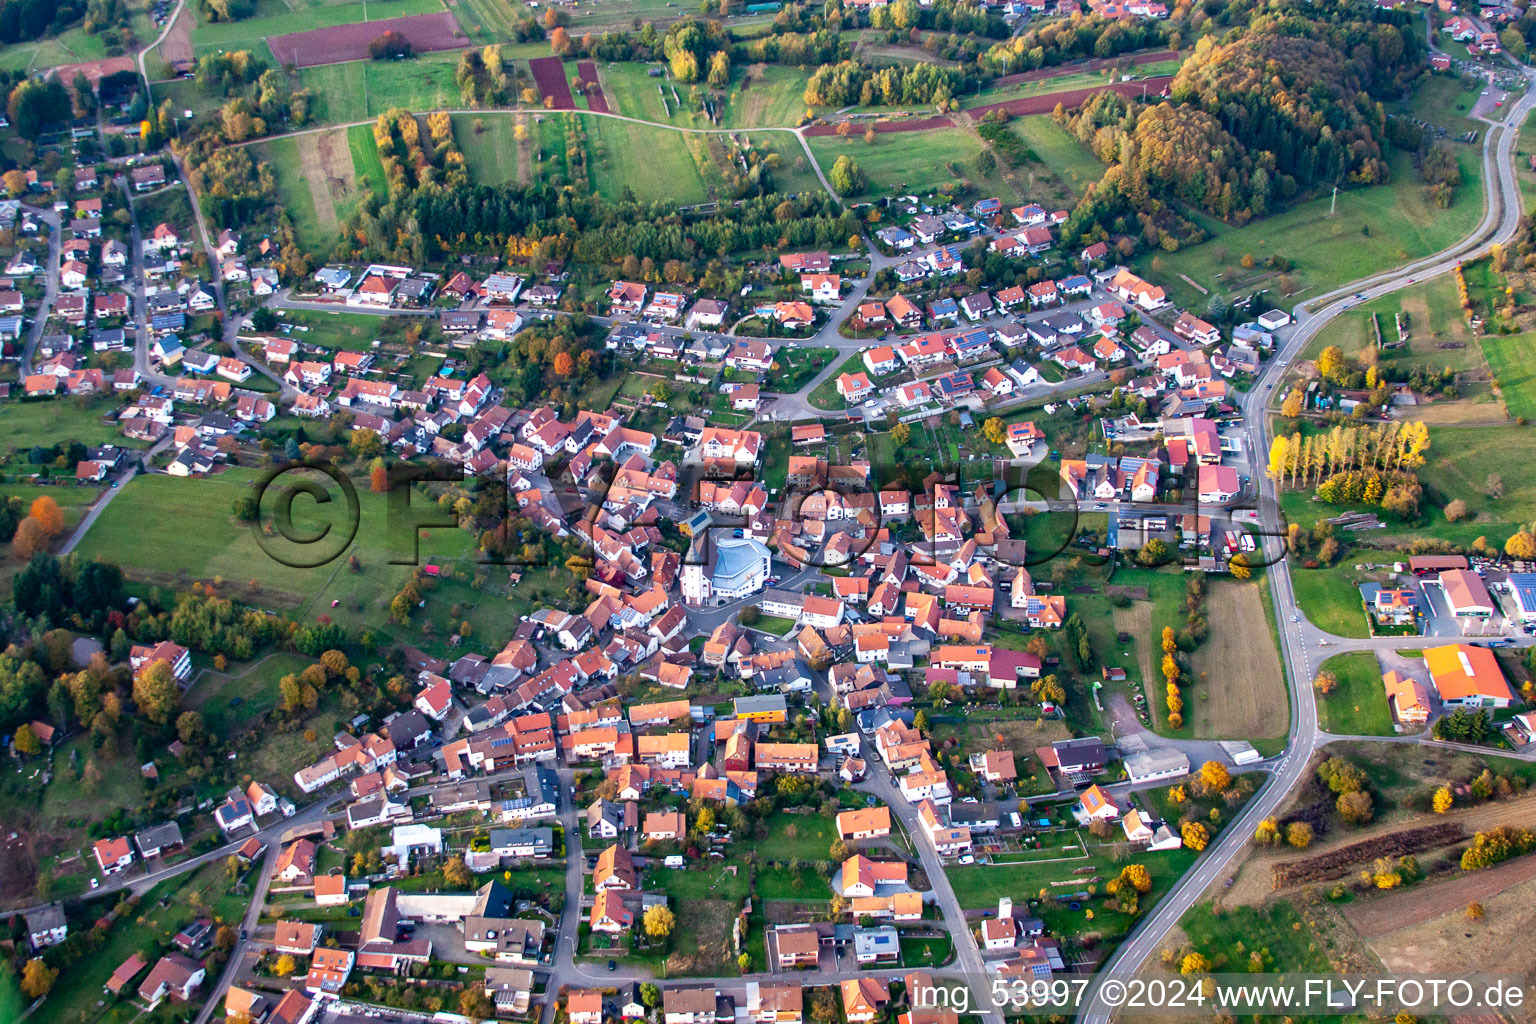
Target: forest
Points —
{"points": [[1279, 109]]}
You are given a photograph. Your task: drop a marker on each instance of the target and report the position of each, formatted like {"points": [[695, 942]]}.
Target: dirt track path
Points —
{"points": [[1418, 906]]}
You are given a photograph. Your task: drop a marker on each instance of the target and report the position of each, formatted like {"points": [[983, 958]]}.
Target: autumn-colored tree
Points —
{"points": [[30, 538], [1194, 963], [1326, 682], [1331, 362], [190, 728], [1195, 835], [1298, 834], [1357, 808], [1238, 566], [457, 874], [156, 693], [1136, 876], [564, 364], [1267, 833], [25, 741], [659, 921], [1474, 910], [37, 978], [1522, 546], [1170, 642], [1215, 776], [900, 435], [994, 430], [378, 479], [47, 512], [284, 966], [1443, 799]]}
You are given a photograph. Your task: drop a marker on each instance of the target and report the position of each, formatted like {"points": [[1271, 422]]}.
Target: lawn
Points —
{"points": [[1274, 929], [784, 884], [1373, 229], [211, 543], [294, 193], [1512, 360], [365, 158], [1330, 600], [773, 624], [913, 161], [653, 163], [11, 1000], [225, 699], [796, 366], [791, 836], [275, 19], [490, 152], [26, 424], [926, 952], [360, 89], [1072, 165], [1359, 706]]}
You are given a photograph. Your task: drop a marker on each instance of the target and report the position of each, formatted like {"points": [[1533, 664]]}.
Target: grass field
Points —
{"points": [[1226, 704], [351, 331], [25, 424], [793, 172], [1330, 600], [1359, 706], [912, 161], [654, 163], [1525, 175], [484, 21], [276, 18], [759, 96], [980, 886], [1461, 460], [360, 89], [1512, 361], [294, 190], [212, 543], [1275, 929], [225, 698], [365, 158], [806, 836], [1373, 229], [491, 152], [1438, 335], [1067, 165]]}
